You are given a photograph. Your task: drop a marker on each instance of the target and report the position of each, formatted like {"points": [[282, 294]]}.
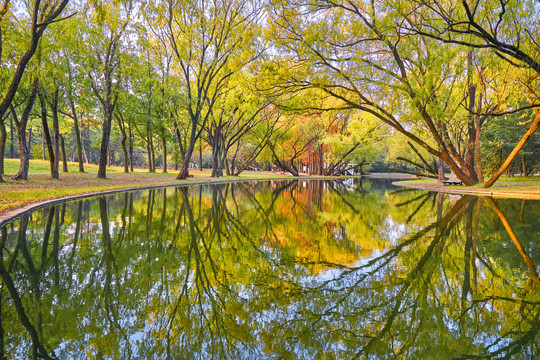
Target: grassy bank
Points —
{"points": [[40, 186], [514, 187]]}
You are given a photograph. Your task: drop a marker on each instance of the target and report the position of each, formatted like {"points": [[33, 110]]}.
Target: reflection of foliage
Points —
{"points": [[308, 269]]}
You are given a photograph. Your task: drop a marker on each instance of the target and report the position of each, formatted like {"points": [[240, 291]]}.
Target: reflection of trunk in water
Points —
{"points": [[39, 350], [110, 269], [442, 226], [75, 240], [534, 275], [340, 193]]}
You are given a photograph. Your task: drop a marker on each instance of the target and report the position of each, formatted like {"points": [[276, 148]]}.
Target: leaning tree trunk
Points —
{"points": [[184, 169], [519, 146]]}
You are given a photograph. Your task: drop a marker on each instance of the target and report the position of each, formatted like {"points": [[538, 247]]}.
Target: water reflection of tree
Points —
{"points": [[38, 349], [200, 273]]}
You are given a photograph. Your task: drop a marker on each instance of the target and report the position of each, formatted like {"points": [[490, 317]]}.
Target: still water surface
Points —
{"points": [[279, 270]]}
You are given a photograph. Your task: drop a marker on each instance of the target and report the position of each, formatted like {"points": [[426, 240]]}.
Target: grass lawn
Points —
{"points": [[39, 187], [519, 186], [11, 166]]}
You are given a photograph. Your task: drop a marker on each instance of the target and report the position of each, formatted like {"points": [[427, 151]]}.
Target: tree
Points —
{"points": [[211, 42], [508, 28], [361, 56], [40, 17], [109, 22]]}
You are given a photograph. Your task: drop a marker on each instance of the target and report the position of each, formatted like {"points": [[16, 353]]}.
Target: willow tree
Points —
{"points": [[211, 41], [361, 55], [508, 29]]}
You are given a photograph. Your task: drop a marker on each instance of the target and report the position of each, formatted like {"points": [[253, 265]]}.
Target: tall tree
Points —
{"points": [[40, 17], [110, 20], [212, 40], [361, 56], [507, 28]]}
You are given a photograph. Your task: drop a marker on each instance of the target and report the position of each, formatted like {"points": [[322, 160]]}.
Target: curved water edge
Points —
{"points": [[352, 268], [464, 190], [15, 214]]}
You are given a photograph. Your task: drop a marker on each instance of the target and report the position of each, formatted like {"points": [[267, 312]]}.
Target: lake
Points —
{"points": [[348, 269]]}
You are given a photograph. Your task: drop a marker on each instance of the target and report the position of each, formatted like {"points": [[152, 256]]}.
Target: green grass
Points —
{"points": [[515, 186], [40, 186], [11, 166]]}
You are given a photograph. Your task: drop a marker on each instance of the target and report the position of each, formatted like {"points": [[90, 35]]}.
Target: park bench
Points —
{"points": [[452, 182]]}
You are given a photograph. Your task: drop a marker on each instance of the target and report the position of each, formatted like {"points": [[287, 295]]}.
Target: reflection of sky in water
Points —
{"points": [[393, 231], [283, 271]]}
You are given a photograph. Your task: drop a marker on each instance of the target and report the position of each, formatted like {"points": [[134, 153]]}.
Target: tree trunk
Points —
{"points": [[11, 131], [149, 147], [30, 141], [103, 151], [184, 169], [46, 133], [130, 146], [125, 151], [524, 166], [179, 140], [3, 139], [519, 146], [64, 157], [215, 163], [321, 163], [54, 109], [200, 155], [471, 123], [121, 125], [22, 174], [43, 156], [77, 134], [153, 153], [222, 164], [228, 171], [440, 170], [164, 141], [477, 146]]}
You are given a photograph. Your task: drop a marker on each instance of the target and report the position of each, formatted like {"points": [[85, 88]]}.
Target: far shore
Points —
{"points": [[19, 197]]}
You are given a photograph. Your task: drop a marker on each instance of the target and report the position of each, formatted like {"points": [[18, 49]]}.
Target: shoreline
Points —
{"points": [[525, 194], [15, 213], [402, 180]]}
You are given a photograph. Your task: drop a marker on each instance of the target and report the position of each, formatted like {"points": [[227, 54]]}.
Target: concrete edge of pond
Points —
{"points": [[470, 191], [16, 213]]}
